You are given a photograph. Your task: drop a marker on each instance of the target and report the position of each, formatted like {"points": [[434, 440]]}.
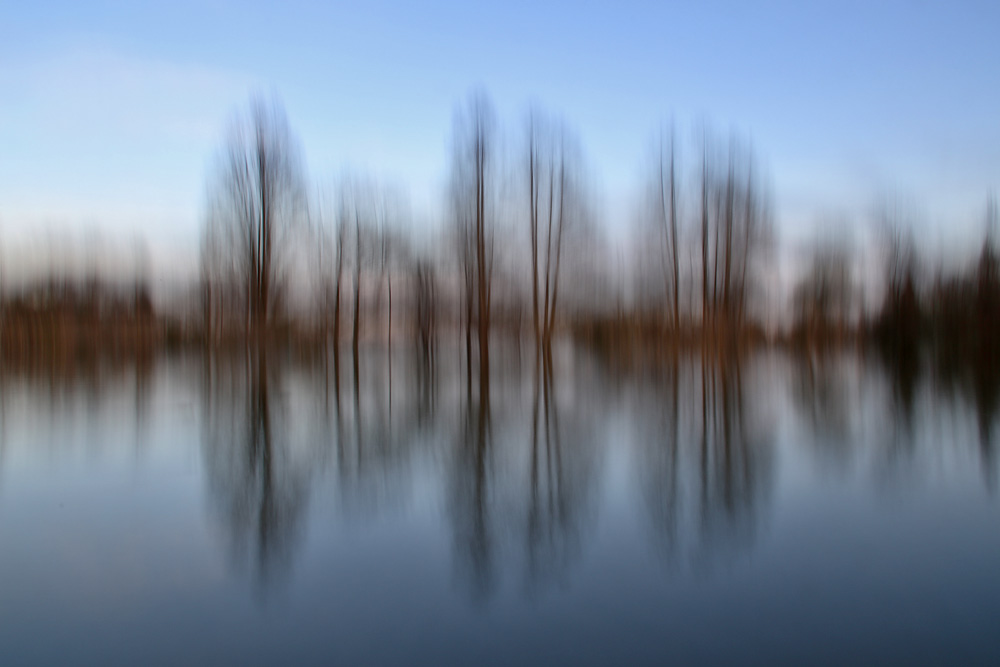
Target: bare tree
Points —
{"points": [[824, 298], [556, 206], [368, 213], [210, 288], [899, 318], [473, 207], [391, 249], [666, 192], [534, 186], [255, 198], [735, 231], [341, 242], [330, 238], [425, 305], [704, 234], [465, 250]]}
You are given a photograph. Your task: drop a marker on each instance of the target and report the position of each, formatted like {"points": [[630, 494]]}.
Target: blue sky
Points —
{"points": [[111, 112]]}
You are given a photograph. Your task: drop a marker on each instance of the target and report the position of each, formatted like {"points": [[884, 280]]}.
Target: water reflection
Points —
{"points": [[562, 481], [897, 415], [986, 383], [473, 497], [387, 423], [973, 378], [706, 465], [822, 385], [278, 429], [257, 478], [577, 494], [521, 484]]}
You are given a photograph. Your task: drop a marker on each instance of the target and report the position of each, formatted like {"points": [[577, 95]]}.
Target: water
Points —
{"points": [[179, 512]]}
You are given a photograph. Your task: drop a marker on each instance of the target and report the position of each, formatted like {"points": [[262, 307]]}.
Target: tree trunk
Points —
{"points": [[533, 196], [673, 238], [357, 296]]}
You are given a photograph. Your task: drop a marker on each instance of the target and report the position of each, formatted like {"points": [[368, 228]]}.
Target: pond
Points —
{"points": [[820, 509]]}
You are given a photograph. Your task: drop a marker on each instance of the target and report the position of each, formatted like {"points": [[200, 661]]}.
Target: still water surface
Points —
{"points": [[185, 512]]}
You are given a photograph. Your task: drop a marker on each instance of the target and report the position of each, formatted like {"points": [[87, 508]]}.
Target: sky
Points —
{"points": [[112, 113]]}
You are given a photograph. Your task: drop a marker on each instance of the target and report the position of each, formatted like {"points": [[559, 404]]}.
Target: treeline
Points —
{"points": [[518, 254], [63, 321], [955, 312]]}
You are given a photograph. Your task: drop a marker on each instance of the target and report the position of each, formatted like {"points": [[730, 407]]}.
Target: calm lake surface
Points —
{"points": [[183, 512]]}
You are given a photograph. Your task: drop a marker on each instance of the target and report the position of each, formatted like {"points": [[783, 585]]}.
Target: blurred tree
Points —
{"points": [[473, 201], [255, 197], [667, 191], [824, 298]]}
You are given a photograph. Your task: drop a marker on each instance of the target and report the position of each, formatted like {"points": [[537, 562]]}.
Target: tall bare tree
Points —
{"points": [[330, 236], [735, 230], [704, 234], [256, 196], [341, 241], [472, 194], [665, 197], [556, 206]]}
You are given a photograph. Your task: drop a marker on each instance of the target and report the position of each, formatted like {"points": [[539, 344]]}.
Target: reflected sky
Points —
{"points": [[823, 508]]}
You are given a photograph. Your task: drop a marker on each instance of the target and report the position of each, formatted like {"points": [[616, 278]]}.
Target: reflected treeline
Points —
{"points": [[476, 518], [897, 424], [822, 394], [258, 478], [524, 479], [706, 457], [564, 467], [519, 470], [63, 393], [280, 429], [521, 476]]}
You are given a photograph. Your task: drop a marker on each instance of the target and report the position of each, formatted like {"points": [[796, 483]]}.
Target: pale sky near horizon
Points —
{"points": [[112, 112]]}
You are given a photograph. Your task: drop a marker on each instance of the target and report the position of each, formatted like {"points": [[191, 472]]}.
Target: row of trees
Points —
{"points": [[518, 233], [727, 233], [957, 307], [360, 241], [517, 252]]}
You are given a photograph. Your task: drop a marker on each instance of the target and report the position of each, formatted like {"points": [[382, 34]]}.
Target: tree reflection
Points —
{"points": [[707, 465], [520, 468], [520, 501], [561, 477], [986, 382], [736, 460], [821, 393], [472, 492], [661, 465], [380, 428], [977, 384], [257, 481]]}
